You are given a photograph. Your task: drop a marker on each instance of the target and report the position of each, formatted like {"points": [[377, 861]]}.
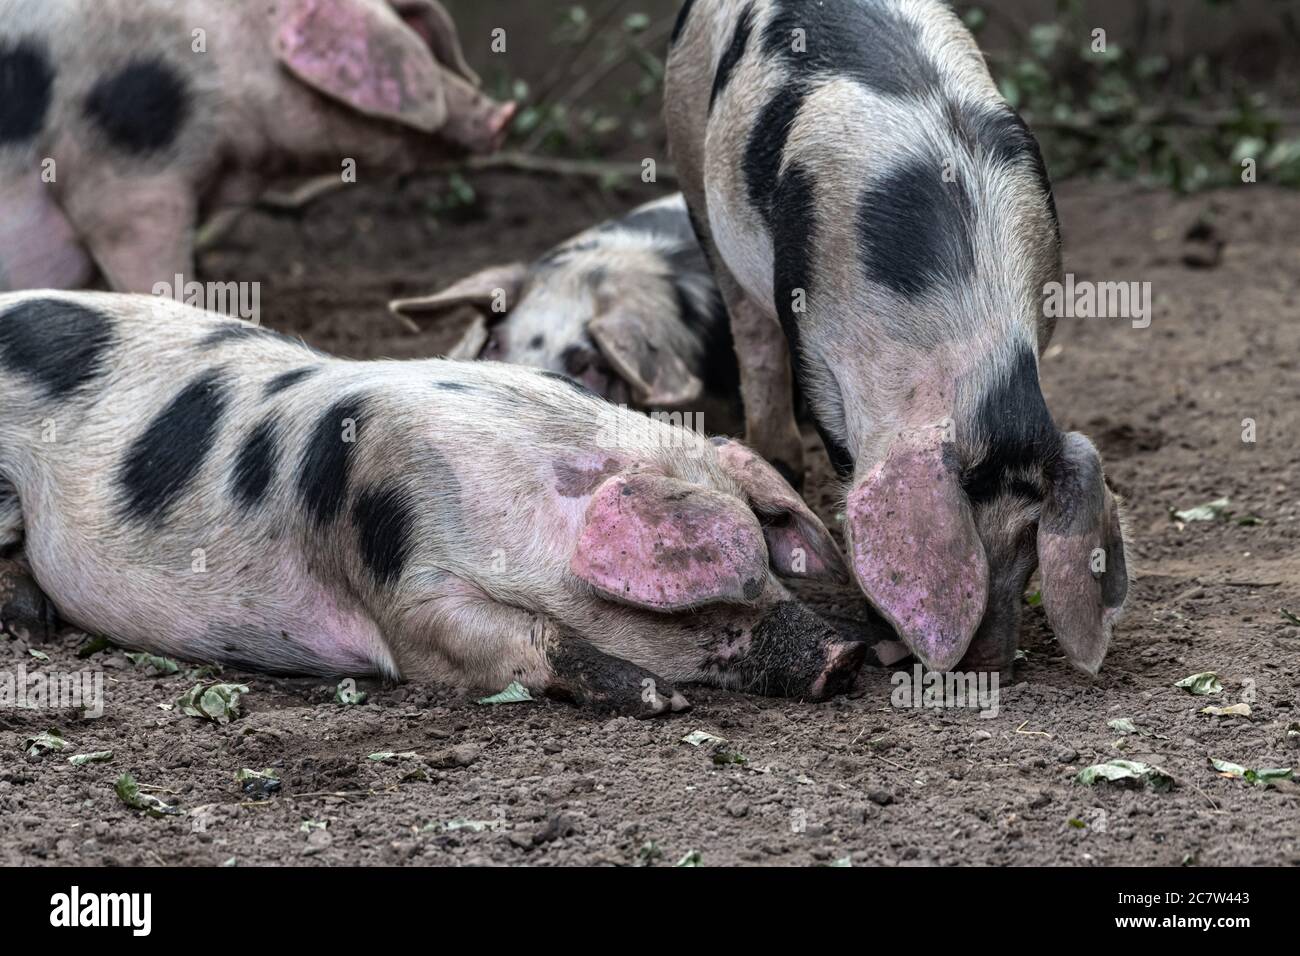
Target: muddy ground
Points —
{"points": [[854, 779]]}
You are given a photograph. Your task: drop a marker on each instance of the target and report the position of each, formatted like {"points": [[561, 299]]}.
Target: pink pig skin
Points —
{"points": [[908, 507], [666, 545]]}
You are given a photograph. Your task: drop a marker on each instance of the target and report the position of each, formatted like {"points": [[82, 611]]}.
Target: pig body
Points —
{"points": [[123, 121], [882, 220], [204, 488], [629, 308]]}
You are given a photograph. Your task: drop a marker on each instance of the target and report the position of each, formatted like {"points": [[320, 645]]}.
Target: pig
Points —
{"points": [[202, 487], [124, 121], [629, 308], [881, 222]]}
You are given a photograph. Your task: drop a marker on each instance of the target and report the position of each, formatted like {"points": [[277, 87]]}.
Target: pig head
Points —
{"points": [[944, 534], [627, 308], [118, 134]]}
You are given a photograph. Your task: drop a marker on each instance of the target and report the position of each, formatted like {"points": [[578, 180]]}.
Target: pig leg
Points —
{"points": [[24, 611], [589, 677], [140, 232], [766, 382], [488, 645]]}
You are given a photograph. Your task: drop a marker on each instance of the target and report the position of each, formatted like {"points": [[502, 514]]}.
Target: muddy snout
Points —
{"points": [[800, 655]]}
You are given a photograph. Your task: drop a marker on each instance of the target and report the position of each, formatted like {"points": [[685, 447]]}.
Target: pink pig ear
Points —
{"points": [[494, 290], [1081, 556], [364, 56], [798, 544], [665, 545], [430, 19], [916, 552]]}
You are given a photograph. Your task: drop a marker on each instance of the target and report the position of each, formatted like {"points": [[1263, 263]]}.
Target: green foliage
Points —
{"points": [[1120, 110]]}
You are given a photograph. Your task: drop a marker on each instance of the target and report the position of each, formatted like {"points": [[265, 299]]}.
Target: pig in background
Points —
{"points": [[876, 212], [470, 523], [629, 308], [150, 125]]}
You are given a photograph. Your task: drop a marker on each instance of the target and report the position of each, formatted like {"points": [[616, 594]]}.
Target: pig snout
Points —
{"points": [[477, 122], [585, 364], [797, 654]]}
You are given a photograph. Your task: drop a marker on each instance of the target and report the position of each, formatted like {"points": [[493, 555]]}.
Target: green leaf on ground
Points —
{"points": [[39, 655], [697, 737], [97, 756], [1210, 511], [1126, 773], [128, 791], [692, 858], [1262, 777], [41, 744], [154, 663], [1235, 710], [346, 693], [1201, 684], [516, 693], [215, 702]]}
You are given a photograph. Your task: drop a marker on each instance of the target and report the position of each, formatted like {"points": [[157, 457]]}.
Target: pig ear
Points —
{"points": [[431, 20], [915, 549], [495, 290], [665, 545], [1081, 557], [798, 544], [636, 347], [364, 56]]}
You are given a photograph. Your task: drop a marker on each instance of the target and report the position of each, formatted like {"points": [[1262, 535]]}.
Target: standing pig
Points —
{"points": [[629, 308], [876, 210], [204, 488], [123, 121]]}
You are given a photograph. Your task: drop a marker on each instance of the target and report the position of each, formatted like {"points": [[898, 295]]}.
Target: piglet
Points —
{"points": [[124, 121], [200, 487], [876, 211], [629, 308]]}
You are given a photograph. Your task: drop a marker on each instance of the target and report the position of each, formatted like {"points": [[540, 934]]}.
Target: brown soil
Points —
{"points": [[853, 778]]}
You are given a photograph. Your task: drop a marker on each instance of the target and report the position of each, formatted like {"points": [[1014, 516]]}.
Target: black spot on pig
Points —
{"points": [[140, 108], [710, 323], [571, 382], [766, 146], [228, 333], [733, 54], [679, 24], [452, 386], [867, 42], [327, 460], [914, 230], [385, 522], [288, 379], [255, 465], [839, 454], [1014, 427], [537, 342], [26, 82], [59, 345], [794, 235], [162, 462]]}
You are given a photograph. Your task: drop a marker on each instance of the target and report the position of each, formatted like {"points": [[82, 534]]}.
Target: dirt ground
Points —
{"points": [[855, 779]]}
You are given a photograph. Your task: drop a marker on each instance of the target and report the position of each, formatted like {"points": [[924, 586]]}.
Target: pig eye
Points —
{"points": [[493, 350]]}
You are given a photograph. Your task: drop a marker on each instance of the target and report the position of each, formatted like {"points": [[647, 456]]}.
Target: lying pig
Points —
{"points": [[200, 487], [629, 308], [876, 210], [123, 121]]}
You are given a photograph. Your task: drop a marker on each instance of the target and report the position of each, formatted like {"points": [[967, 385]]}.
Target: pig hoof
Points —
{"points": [[842, 663], [583, 675], [24, 611]]}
